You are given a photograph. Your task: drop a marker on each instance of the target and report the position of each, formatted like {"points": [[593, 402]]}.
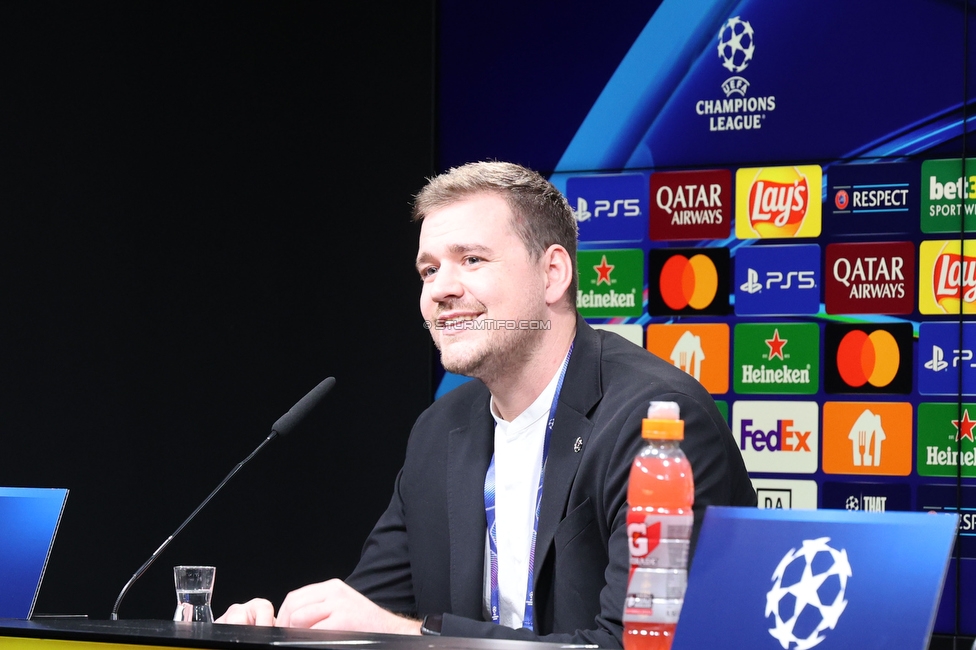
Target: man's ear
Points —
{"points": [[559, 272]]}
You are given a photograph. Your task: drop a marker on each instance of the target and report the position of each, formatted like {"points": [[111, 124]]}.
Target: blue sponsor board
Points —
{"points": [[946, 361], [777, 280], [792, 578], [866, 497], [610, 207], [960, 579], [955, 499], [872, 198]]}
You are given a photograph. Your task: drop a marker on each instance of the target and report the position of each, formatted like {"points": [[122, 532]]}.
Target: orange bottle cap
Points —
{"points": [[663, 429]]}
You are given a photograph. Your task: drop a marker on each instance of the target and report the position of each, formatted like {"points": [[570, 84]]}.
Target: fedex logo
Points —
{"points": [[781, 437], [942, 361], [609, 207], [777, 280]]}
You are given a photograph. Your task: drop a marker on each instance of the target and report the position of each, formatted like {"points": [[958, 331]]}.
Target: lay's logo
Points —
{"points": [[947, 277], [778, 202]]}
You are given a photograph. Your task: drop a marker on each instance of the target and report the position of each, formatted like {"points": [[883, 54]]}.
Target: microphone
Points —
{"points": [[283, 426]]}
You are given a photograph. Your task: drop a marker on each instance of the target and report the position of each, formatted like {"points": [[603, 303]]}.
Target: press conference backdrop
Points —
{"points": [[772, 196], [204, 212]]}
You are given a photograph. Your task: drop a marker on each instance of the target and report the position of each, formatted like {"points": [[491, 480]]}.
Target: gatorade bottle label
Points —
{"points": [[658, 541], [655, 595]]}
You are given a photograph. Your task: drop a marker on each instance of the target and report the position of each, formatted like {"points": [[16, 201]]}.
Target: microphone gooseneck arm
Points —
{"points": [[284, 425], [152, 558]]}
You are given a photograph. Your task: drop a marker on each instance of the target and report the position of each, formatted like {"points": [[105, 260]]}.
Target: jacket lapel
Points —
{"points": [[581, 391], [469, 452]]}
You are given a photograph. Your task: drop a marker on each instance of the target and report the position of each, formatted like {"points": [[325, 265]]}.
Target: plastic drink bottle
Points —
{"points": [[660, 493]]}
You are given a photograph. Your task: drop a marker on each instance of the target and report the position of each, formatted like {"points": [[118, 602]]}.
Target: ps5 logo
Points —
{"points": [[937, 362], [623, 207], [751, 285], [776, 280]]}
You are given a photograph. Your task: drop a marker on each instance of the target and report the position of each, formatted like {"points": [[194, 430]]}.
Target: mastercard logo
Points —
{"points": [[688, 282], [864, 358]]}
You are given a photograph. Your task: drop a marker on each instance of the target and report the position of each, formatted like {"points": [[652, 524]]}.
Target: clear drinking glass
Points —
{"points": [[194, 589]]}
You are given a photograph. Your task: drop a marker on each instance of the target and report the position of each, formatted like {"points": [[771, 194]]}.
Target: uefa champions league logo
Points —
{"points": [[735, 44], [807, 596]]}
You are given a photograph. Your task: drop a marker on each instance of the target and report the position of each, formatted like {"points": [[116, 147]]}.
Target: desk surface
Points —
{"points": [[236, 637]]}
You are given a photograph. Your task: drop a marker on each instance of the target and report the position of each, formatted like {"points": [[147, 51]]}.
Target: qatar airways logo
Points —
{"points": [[691, 205], [870, 278]]}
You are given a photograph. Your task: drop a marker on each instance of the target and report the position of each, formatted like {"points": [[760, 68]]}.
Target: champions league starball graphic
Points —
{"points": [[736, 44], [807, 596]]}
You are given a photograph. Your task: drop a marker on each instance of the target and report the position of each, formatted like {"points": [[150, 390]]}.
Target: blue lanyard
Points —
{"points": [[490, 513]]}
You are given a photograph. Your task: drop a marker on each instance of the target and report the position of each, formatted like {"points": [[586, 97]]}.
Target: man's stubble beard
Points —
{"points": [[496, 356]]}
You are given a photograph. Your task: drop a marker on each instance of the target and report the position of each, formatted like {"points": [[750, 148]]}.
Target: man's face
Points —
{"points": [[475, 268]]}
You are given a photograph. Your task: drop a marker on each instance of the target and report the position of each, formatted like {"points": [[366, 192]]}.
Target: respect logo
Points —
{"points": [[872, 438], [685, 282], [778, 202], [947, 277], [701, 350]]}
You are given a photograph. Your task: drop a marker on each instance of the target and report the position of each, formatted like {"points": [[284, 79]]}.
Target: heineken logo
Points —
{"points": [[946, 445], [611, 282], [610, 300], [777, 358]]}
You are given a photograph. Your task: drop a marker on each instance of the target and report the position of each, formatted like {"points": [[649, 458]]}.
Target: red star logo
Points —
{"points": [[603, 271], [964, 427], [776, 345]]}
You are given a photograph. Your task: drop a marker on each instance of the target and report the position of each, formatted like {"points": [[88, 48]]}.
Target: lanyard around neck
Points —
{"points": [[490, 514]]}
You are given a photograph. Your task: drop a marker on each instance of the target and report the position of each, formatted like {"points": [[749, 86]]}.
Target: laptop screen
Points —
{"points": [[29, 519], [795, 578]]}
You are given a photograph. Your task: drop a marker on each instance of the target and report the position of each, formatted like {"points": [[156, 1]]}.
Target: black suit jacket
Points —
{"points": [[426, 554]]}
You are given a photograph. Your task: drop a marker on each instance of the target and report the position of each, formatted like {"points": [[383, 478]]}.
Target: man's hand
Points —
{"points": [[334, 605], [256, 611]]}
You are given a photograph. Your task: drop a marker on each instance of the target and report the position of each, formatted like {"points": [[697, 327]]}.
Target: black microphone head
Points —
{"points": [[297, 413]]}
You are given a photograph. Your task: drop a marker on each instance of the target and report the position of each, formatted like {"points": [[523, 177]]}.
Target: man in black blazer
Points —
{"points": [[497, 257]]}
